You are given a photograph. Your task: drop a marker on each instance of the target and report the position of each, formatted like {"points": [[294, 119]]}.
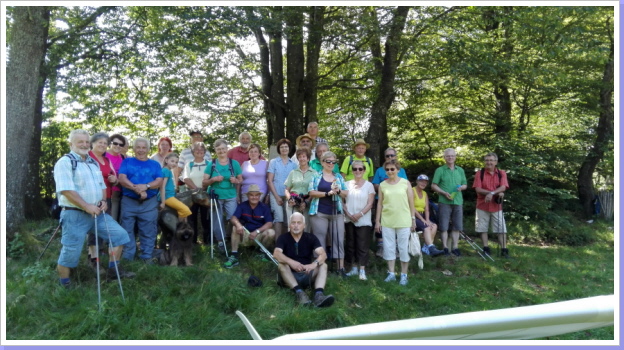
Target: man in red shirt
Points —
{"points": [[490, 184]]}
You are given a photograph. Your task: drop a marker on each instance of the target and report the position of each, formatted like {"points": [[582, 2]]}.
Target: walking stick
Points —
{"points": [[475, 246], [262, 247], [50, 241], [211, 228], [97, 262], [500, 227], [111, 254]]}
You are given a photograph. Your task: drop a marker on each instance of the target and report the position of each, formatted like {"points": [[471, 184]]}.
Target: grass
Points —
{"points": [[199, 302]]}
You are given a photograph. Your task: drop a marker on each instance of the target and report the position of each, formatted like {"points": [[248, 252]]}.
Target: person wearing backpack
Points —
{"points": [[81, 192], [224, 176], [490, 184], [359, 147]]}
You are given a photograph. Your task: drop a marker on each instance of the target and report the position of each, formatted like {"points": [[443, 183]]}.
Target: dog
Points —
{"points": [[180, 245]]}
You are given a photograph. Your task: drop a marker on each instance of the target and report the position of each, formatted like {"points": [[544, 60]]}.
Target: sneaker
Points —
{"points": [[487, 251], [322, 300], [505, 253], [341, 272], [425, 250], [391, 277], [403, 280], [435, 251], [232, 261], [363, 275], [353, 272], [112, 273], [302, 298], [379, 252], [456, 252], [446, 252]]}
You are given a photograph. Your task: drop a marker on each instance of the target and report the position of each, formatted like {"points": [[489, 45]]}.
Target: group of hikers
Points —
{"points": [[301, 203]]}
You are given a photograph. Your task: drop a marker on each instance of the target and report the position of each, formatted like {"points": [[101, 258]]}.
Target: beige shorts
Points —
{"points": [[246, 242], [483, 219]]}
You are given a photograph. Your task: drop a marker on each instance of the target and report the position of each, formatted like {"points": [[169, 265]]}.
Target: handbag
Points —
{"points": [[414, 248]]}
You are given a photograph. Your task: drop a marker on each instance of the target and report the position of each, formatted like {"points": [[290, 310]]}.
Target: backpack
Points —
{"points": [[214, 167], [368, 163], [482, 173]]}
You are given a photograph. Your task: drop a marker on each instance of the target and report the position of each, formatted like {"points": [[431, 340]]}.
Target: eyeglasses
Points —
{"points": [[390, 169], [390, 155], [118, 144], [330, 161], [358, 169]]}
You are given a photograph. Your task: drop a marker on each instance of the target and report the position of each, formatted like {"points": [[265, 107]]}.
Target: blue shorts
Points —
{"points": [[76, 224]]}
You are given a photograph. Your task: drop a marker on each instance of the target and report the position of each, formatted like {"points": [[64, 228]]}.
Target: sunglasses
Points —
{"points": [[118, 144], [390, 155], [358, 169], [331, 161], [390, 169]]}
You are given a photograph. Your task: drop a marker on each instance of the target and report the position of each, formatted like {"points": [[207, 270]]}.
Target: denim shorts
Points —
{"points": [[76, 224]]}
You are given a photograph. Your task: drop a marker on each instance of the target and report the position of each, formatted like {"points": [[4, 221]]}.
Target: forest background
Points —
{"points": [[534, 84]]}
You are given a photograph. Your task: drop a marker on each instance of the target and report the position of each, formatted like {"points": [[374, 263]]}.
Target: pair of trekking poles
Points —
{"points": [[476, 247], [97, 257]]}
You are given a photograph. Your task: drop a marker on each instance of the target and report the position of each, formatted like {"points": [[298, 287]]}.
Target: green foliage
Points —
{"points": [[16, 247]]}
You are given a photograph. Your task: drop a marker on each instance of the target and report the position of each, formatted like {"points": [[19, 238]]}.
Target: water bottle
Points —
{"points": [[455, 191]]}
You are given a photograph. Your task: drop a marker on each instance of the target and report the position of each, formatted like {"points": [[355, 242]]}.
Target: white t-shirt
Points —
{"points": [[356, 201]]}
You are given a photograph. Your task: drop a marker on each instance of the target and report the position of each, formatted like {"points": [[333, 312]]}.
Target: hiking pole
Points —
{"points": [[97, 262], [211, 228], [475, 246], [500, 227], [50, 241], [111, 254], [219, 218], [262, 247]]}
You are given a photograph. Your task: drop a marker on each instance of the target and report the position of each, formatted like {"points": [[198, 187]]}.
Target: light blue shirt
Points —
{"points": [[280, 173], [86, 179]]}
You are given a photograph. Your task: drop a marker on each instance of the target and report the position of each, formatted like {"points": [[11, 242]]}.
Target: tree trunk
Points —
{"points": [[377, 135], [295, 63], [313, 50], [604, 137], [27, 49]]}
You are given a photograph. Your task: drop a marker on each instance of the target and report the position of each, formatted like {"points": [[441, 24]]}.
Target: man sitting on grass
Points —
{"points": [[295, 252], [254, 216]]}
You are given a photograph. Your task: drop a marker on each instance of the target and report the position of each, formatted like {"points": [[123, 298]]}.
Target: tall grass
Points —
{"points": [[199, 302]]}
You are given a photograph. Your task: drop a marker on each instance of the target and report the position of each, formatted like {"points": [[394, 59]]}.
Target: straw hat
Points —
{"points": [[360, 142], [305, 136], [253, 188]]}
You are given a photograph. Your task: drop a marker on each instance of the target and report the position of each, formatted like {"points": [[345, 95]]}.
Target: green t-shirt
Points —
{"points": [[346, 168], [224, 189], [448, 180]]}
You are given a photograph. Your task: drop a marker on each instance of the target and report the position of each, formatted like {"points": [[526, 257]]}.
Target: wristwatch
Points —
{"points": [[257, 231], [492, 193], [317, 263], [147, 185]]}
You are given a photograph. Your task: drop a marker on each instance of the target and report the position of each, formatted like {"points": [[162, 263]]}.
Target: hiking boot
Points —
{"points": [[403, 280], [505, 253], [391, 277], [446, 252], [303, 299], [322, 300], [456, 252], [232, 261], [435, 251], [487, 251], [363, 275], [425, 250], [221, 247], [353, 272], [112, 273], [341, 272], [94, 267], [379, 252]]}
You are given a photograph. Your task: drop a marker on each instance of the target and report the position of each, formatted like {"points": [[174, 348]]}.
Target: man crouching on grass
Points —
{"points": [[297, 270], [82, 194]]}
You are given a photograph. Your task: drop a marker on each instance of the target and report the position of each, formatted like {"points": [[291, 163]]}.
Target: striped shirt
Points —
{"points": [[86, 180]]}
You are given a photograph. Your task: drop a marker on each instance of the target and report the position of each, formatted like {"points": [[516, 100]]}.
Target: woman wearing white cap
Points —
{"points": [[423, 221]]}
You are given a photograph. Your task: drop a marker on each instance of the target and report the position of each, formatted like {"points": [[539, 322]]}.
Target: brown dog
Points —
{"points": [[181, 244]]}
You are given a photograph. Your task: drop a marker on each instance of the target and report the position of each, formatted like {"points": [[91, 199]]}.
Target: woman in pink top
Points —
{"points": [[254, 172], [117, 142]]}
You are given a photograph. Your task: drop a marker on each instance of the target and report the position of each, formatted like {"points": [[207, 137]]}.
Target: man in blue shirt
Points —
{"points": [[140, 178], [82, 195], [254, 216]]}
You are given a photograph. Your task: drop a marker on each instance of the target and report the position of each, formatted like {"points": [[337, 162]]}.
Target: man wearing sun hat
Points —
{"points": [[256, 218], [307, 141], [359, 147]]}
